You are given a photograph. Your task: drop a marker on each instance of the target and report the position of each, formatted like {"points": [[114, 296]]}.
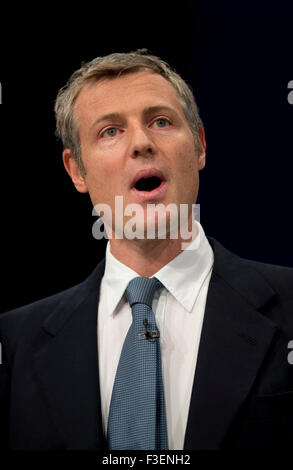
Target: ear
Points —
{"points": [[74, 171], [202, 153]]}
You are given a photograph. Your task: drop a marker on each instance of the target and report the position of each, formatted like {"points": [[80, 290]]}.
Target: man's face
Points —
{"points": [[134, 127]]}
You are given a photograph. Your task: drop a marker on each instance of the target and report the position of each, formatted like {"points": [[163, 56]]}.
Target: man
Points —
{"points": [[221, 324]]}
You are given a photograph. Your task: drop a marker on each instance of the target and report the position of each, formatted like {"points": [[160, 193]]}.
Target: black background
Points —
{"points": [[237, 56]]}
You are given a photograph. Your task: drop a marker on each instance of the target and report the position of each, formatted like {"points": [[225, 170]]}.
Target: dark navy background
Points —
{"points": [[238, 58]]}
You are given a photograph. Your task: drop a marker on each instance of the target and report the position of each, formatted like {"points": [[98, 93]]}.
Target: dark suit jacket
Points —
{"points": [[243, 387]]}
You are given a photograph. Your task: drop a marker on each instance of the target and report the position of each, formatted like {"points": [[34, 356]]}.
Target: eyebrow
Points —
{"points": [[146, 112]]}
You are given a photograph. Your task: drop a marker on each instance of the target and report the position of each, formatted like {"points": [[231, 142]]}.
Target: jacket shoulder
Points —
{"points": [[251, 274], [31, 316], [279, 277]]}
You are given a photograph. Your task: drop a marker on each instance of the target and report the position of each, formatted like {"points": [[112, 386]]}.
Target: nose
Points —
{"points": [[141, 143]]}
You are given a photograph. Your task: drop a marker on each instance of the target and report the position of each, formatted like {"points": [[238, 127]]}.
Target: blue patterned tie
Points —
{"points": [[137, 418]]}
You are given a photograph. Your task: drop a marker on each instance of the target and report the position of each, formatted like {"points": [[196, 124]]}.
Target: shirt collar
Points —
{"points": [[115, 280], [183, 276]]}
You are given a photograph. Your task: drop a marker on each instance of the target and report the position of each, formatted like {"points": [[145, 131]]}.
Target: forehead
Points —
{"points": [[132, 91]]}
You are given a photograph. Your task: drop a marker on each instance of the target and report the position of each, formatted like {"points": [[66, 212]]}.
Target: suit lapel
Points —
{"points": [[66, 367], [234, 341]]}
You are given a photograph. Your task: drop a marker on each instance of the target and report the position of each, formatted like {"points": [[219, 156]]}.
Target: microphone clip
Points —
{"points": [[148, 334]]}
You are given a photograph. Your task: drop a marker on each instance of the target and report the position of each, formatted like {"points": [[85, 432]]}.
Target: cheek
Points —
{"points": [[187, 173], [187, 161], [103, 183], [98, 182], [98, 168]]}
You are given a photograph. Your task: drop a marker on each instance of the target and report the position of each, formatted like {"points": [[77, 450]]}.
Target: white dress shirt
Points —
{"points": [[179, 310]]}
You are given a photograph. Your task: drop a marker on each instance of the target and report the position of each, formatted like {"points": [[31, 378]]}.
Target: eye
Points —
{"points": [[162, 122], [110, 132]]}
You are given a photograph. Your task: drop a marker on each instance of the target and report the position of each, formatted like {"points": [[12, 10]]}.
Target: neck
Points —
{"points": [[146, 257]]}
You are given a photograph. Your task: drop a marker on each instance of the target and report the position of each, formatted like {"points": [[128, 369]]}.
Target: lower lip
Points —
{"points": [[150, 195]]}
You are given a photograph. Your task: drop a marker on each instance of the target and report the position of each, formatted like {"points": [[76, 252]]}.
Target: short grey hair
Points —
{"points": [[111, 66]]}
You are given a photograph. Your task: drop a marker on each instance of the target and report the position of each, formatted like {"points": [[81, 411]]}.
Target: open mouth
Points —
{"points": [[148, 184]]}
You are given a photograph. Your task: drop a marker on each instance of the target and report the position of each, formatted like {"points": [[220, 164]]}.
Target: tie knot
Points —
{"points": [[141, 290]]}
